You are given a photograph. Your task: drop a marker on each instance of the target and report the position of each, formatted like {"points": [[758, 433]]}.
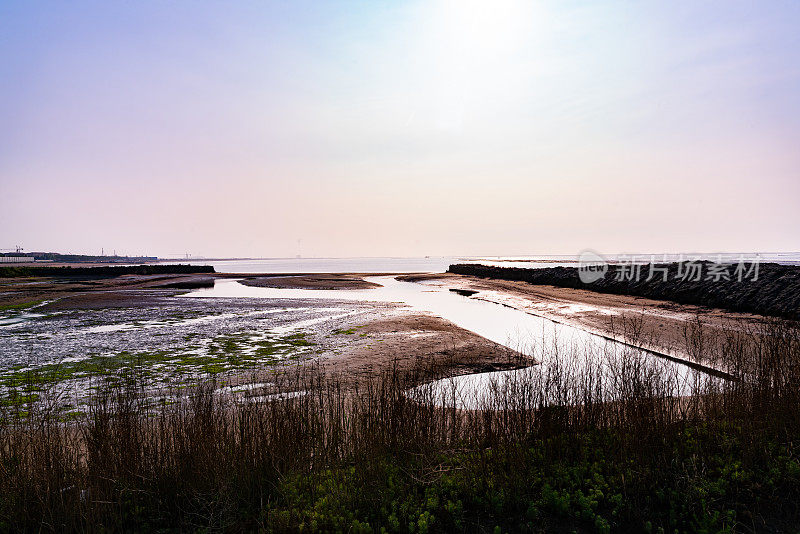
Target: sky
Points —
{"points": [[376, 128]]}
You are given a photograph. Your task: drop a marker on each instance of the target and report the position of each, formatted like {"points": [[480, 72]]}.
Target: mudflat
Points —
{"points": [[311, 281], [662, 326], [352, 339], [360, 340]]}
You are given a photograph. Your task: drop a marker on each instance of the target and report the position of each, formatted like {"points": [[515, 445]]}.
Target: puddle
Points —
{"points": [[558, 347], [177, 343], [241, 388], [300, 325], [274, 397], [507, 326], [555, 383], [19, 318], [172, 323]]}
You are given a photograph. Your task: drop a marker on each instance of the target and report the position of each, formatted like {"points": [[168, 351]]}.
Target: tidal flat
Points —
{"points": [[272, 405], [70, 338]]}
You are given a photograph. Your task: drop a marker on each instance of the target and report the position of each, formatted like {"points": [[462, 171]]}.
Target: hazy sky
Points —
{"points": [[399, 128]]}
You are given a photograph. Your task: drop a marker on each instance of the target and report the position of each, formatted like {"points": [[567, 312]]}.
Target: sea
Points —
{"points": [[441, 263]]}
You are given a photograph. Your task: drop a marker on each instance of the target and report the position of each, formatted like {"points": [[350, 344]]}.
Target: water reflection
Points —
{"points": [[582, 375], [572, 361], [534, 336], [506, 326]]}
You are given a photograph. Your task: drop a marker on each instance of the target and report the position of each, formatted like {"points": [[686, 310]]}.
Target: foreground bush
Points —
{"points": [[374, 458]]}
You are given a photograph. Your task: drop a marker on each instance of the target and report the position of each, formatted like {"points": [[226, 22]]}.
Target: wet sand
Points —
{"points": [[373, 338], [658, 325], [402, 337], [99, 291], [320, 281], [405, 341]]}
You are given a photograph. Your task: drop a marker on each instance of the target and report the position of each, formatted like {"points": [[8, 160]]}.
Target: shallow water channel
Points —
{"points": [[567, 355]]}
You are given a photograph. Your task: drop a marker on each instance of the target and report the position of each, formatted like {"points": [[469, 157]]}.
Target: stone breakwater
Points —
{"points": [[775, 291]]}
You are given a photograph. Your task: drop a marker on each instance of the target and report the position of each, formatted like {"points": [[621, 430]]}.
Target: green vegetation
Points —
{"points": [[20, 306], [347, 332], [224, 354], [298, 340], [592, 481], [346, 457]]}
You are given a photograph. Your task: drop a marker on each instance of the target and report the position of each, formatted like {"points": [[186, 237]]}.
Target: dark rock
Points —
{"points": [[463, 292], [776, 290]]}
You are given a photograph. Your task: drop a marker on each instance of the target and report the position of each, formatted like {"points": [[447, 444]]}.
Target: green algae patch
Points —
{"points": [[20, 306], [346, 332], [298, 340], [219, 355]]}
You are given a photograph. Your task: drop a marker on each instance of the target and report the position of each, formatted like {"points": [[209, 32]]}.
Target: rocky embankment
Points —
{"points": [[103, 271], [775, 290]]}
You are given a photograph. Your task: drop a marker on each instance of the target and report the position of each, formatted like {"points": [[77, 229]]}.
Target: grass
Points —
{"points": [[563, 483], [345, 332], [551, 453], [349, 331], [225, 354], [20, 306], [298, 340]]}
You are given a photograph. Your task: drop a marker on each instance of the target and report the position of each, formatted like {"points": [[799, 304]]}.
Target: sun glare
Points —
{"points": [[469, 47], [482, 28]]}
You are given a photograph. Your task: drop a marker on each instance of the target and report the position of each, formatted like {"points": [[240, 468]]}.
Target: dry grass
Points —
{"points": [[206, 460]]}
